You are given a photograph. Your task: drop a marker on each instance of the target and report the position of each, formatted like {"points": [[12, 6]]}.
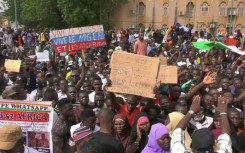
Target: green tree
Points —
{"points": [[10, 11], [41, 13], [87, 12], [62, 13]]}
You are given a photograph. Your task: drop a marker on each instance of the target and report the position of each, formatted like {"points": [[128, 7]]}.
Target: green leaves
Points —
{"points": [[62, 13]]}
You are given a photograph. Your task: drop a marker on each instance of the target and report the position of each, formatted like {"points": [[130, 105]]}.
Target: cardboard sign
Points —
{"points": [[133, 74], [12, 65], [168, 74], [78, 38], [163, 60], [42, 57], [34, 118]]}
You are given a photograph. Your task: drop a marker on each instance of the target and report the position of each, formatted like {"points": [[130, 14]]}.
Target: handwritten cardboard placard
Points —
{"points": [[163, 60], [168, 74], [133, 74], [42, 57], [74, 39], [12, 65]]}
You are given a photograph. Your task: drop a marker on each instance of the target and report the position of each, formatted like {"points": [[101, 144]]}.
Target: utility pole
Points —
{"points": [[15, 13]]}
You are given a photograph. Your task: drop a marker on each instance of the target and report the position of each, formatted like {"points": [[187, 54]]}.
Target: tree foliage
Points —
{"points": [[62, 13], [10, 12]]}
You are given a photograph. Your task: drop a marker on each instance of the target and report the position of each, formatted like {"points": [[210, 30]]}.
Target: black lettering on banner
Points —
{"points": [[1, 115]]}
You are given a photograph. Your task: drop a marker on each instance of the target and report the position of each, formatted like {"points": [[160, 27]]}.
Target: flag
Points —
{"points": [[182, 27], [210, 44]]}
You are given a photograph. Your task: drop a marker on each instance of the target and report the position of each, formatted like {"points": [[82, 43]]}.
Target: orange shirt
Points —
{"points": [[131, 116], [239, 131]]}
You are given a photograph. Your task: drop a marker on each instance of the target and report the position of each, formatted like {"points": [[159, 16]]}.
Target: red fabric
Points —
{"points": [[19, 41], [231, 42], [131, 116], [71, 53], [157, 101]]}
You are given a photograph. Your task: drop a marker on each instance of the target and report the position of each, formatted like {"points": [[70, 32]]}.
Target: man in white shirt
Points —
{"points": [[63, 84], [200, 121], [201, 39], [97, 84]]}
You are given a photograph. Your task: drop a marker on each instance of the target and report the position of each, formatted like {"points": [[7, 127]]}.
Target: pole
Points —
{"points": [[190, 13], [153, 13], [137, 16], [15, 13], [100, 10], [176, 12], [231, 16]]}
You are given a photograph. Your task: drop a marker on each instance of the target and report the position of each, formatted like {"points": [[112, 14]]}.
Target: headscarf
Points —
{"points": [[142, 120], [157, 131], [124, 137], [175, 118], [216, 133]]}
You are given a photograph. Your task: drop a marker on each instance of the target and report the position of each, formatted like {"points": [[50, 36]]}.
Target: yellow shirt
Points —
{"points": [[68, 75], [42, 37]]}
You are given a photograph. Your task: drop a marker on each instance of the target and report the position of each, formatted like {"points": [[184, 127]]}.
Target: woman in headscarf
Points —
{"points": [[122, 129], [140, 131], [159, 140], [174, 119]]}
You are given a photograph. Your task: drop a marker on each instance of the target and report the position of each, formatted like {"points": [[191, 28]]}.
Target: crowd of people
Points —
{"points": [[203, 112]]}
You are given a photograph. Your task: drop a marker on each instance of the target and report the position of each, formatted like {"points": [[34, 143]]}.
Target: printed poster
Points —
{"points": [[35, 119]]}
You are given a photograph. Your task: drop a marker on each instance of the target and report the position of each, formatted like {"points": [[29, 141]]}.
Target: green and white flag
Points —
{"points": [[210, 44]]}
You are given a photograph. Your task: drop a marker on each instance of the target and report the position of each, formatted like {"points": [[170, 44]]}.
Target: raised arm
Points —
{"points": [[207, 80], [82, 77], [195, 108], [222, 109]]}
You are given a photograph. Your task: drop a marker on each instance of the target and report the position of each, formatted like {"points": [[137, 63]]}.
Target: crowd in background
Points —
{"points": [[203, 112]]}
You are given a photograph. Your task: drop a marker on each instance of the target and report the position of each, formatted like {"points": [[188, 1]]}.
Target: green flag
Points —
{"points": [[207, 45]]}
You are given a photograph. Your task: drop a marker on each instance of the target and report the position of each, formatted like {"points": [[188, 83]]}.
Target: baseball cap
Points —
{"points": [[9, 136], [62, 61], [48, 74], [72, 53], [8, 92]]}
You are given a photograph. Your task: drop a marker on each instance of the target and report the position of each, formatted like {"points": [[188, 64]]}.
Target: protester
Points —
{"points": [[159, 140], [78, 85], [11, 140], [140, 46], [105, 136], [82, 135], [60, 130], [122, 129]]}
